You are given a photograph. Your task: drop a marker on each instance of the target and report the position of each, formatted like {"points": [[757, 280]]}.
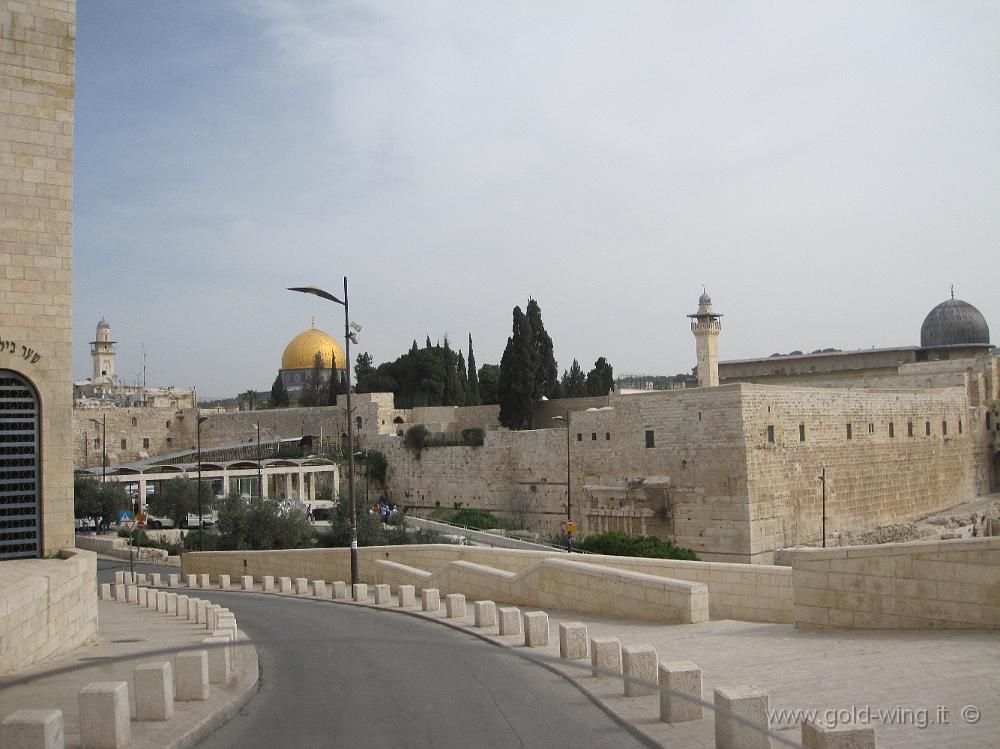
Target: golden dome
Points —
{"points": [[301, 352]]}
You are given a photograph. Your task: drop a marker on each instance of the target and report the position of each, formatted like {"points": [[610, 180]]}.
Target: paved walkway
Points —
{"points": [[127, 634], [920, 680]]}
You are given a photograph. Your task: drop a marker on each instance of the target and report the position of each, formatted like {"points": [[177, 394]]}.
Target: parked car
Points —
{"points": [[207, 520], [156, 523], [85, 525]]}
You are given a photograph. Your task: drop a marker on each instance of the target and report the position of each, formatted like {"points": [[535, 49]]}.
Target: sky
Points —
{"points": [[826, 170]]}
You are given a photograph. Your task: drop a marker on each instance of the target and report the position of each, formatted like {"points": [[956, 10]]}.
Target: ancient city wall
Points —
{"points": [[37, 60], [922, 585], [48, 607], [909, 453], [132, 434]]}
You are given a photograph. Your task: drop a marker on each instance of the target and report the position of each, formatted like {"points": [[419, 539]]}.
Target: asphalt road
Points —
{"points": [[336, 675]]}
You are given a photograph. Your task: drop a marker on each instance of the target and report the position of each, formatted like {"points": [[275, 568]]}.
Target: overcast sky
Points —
{"points": [[825, 169]]}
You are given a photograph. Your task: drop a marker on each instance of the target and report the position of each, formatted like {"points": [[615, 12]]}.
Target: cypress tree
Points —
{"points": [[516, 385], [462, 392], [472, 393], [312, 392], [279, 393], [601, 379], [574, 383], [546, 372]]}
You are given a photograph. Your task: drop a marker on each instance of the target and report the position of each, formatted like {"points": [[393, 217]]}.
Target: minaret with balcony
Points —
{"points": [[706, 326], [102, 350]]}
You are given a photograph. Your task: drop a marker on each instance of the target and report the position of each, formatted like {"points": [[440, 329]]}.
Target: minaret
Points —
{"points": [[103, 352], [706, 326]]}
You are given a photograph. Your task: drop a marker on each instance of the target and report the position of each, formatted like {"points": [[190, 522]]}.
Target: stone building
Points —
{"points": [[37, 42], [299, 359]]}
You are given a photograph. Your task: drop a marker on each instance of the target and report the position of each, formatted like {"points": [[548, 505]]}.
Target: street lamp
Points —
{"points": [[103, 424], [822, 479], [201, 419], [260, 472], [350, 430], [569, 504]]}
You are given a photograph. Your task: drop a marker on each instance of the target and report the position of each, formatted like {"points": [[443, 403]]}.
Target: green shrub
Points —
{"points": [[619, 544], [473, 437], [475, 517], [415, 439], [139, 538]]}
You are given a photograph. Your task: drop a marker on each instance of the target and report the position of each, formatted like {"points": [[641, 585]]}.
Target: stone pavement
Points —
{"points": [[921, 680], [127, 634]]}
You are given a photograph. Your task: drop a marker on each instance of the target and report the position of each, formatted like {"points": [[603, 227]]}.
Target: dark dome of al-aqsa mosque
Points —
{"points": [[954, 323]]}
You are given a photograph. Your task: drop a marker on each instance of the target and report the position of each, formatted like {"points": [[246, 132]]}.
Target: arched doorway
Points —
{"points": [[20, 469]]}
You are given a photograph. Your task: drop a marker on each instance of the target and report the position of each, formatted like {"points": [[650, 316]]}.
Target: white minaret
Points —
{"points": [[706, 326], [102, 349]]}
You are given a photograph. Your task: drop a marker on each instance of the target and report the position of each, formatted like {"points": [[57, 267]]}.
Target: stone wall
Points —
{"points": [[48, 607], [735, 591], [132, 434], [37, 62], [880, 475], [921, 585]]}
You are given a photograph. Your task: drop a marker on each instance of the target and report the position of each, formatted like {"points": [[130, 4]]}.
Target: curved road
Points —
{"points": [[342, 675]]}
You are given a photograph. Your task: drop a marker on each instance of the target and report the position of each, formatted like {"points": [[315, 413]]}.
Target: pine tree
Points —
{"points": [[546, 371], [462, 392], [601, 379], [279, 393], [472, 392], [334, 388], [312, 392], [489, 379], [517, 383], [574, 384]]}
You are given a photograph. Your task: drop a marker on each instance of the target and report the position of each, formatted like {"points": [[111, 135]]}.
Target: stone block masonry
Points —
{"points": [[33, 729]]}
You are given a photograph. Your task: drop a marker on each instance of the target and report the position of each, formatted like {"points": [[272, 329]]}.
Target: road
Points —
{"points": [[342, 675]]}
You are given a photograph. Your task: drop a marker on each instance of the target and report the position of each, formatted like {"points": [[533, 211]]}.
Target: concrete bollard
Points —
{"points": [[154, 691], [182, 606], [154, 580], [407, 596], [142, 597], [151, 598], [202, 613], [193, 609], [203, 581], [573, 641], [104, 715], [683, 677], [119, 578], [383, 595], [226, 620], [430, 599], [750, 703], [140, 579], [224, 581], [211, 615], [605, 655], [174, 581], [220, 669], [246, 582], [359, 592], [319, 589], [339, 589], [301, 586], [454, 606], [268, 583], [191, 581], [639, 662], [485, 614], [131, 594], [172, 603], [509, 620], [33, 729], [818, 736], [119, 591], [536, 629], [105, 591], [192, 676], [161, 601], [285, 584]]}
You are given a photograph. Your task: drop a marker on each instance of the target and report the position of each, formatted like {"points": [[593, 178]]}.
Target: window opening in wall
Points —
{"points": [[944, 428], [168, 423], [607, 436], [871, 428], [593, 436], [650, 440], [699, 416], [802, 432], [850, 432], [959, 426], [135, 421], [97, 442], [909, 429], [579, 437], [170, 441], [20, 464], [927, 428], [145, 442], [124, 445], [892, 429], [770, 432]]}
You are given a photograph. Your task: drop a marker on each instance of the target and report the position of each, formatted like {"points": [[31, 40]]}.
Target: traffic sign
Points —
{"points": [[140, 517], [125, 516], [141, 524], [129, 525]]}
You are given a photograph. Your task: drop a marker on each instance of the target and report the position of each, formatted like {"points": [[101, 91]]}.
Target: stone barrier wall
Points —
{"points": [[735, 591], [48, 607], [119, 548], [922, 585]]}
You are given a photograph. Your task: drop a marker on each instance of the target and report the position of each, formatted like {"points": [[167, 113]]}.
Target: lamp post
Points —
{"points": [[201, 419], [103, 424], [569, 503], [822, 480], [350, 427], [260, 472]]}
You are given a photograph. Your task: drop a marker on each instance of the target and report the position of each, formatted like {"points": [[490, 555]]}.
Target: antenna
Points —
{"points": [[144, 368]]}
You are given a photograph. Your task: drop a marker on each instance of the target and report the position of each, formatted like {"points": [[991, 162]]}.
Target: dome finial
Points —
{"points": [[313, 323], [953, 291]]}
